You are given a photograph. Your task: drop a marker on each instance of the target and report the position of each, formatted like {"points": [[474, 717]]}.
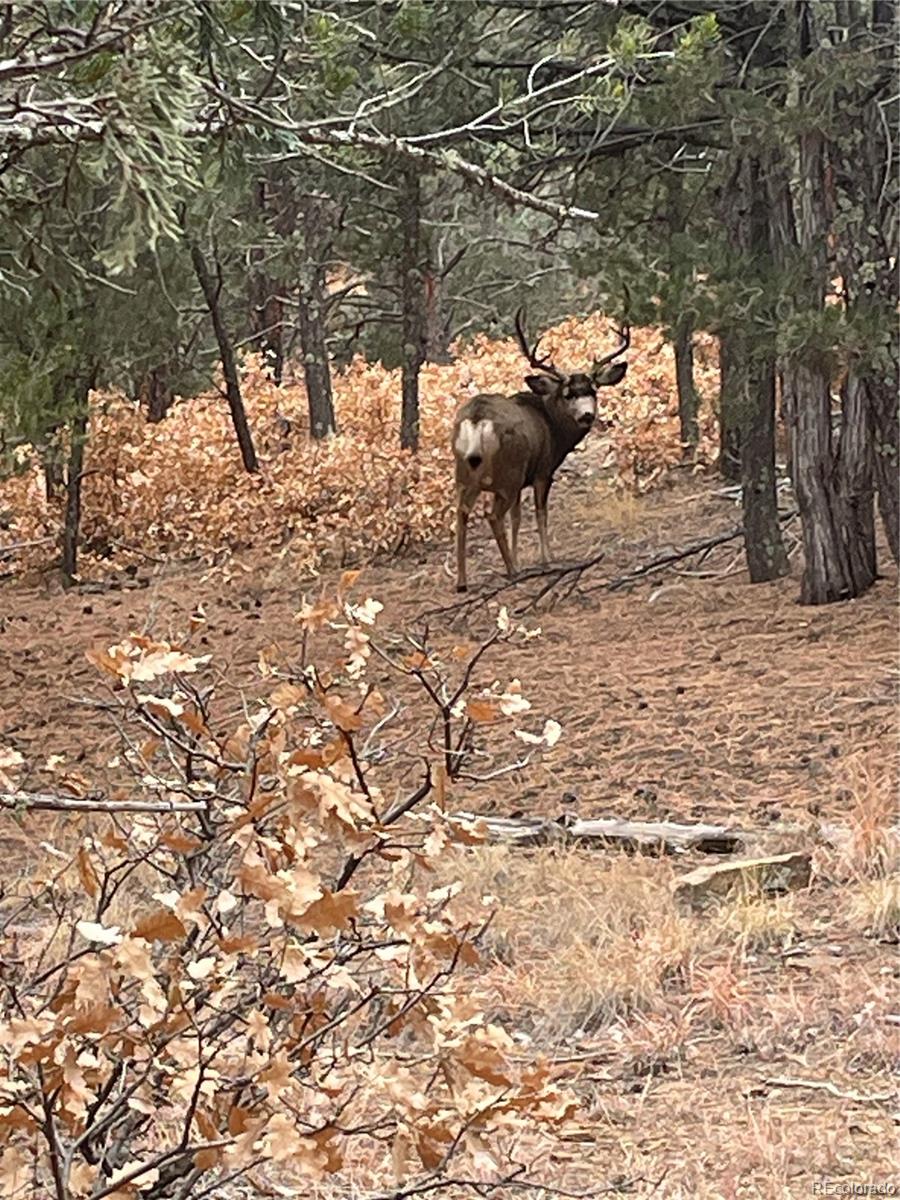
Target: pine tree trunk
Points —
{"points": [[437, 348], [266, 307], [683, 325], [158, 395], [748, 393], [855, 481], [413, 317], [683, 343], [833, 487], [766, 556], [731, 387], [828, 573], [51, 456], [836, 551], [862, 155], [885, 418], [229, 365], [78, 428], [312, 308]]}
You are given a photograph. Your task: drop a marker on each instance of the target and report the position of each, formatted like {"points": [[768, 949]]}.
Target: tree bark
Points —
{"points": [[832, 488], [312, 309], [864, 163], [157, 394], [828, 573], [412, 305], [885, 418], [211, 293], [683, 324], [731, 387], [437, 327], [266, 307], [854, 478], [683, 344], [748, 391], [766, 556], [78, 428]]}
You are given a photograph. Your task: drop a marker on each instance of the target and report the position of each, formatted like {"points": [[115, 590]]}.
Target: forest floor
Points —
{"points": [[749, 1053]]}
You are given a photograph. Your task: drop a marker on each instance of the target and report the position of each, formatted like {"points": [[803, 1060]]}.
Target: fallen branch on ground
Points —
{"points": [[571, 573], [14, 546], [673, 556], [668, 837], [47, 802], [825, 1085]]}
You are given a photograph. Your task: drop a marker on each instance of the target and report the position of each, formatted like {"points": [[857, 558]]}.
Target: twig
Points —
{"points": [[46, 802], [14, 546], [137, 550], [352, 864], [539, 572], [825, 1085]]}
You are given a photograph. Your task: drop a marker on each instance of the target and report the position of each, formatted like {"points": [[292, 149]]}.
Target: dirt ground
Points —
{"points": [[690, 695]]}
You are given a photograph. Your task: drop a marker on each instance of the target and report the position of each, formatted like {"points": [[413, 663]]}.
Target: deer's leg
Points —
{"points": [[462, 526], [515, 518], [541, 493], [497, 521]]}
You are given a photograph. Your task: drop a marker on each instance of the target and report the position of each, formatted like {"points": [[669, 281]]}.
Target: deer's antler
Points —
{"points": [[623, 333], [539, 364]]}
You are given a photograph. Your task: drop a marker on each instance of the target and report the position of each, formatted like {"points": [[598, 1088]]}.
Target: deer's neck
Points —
{"points": [[564, 437]]}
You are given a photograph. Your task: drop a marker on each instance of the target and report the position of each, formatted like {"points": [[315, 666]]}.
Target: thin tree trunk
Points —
{"points": [[688, 403], [51, 457], [312, 308], [766, 556], [437, 327], [683, 325], [229, 366], [885, 418], [78, 428], [748, 394], [854, 476], [413, 317], [731, 388], [157, 394], [266, 307]]}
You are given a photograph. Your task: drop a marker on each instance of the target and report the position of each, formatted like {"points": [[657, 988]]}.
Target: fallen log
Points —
{"points": [[660, 837], [666, 836]]}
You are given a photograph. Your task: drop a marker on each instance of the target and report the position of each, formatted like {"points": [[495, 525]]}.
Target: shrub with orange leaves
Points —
{"points": [[253, 968], [178, 488]]}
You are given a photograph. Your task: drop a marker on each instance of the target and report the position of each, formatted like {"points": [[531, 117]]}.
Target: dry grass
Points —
{"points": [[872, 850], [578, 942], [875, 907]]}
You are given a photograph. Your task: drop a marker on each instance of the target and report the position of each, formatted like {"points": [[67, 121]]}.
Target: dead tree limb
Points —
{"points": [[47, 802], [660, 837], [571, 574]]}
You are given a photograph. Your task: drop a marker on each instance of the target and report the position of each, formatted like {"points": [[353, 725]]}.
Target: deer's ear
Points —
{"points": [[541, 385], [610, 375]]}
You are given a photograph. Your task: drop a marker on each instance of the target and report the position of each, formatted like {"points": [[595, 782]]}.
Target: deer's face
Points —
{"points": [[574, 397]]}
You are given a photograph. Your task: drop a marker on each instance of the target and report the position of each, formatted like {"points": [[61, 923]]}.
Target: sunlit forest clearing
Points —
{"points": [[336, 868]]}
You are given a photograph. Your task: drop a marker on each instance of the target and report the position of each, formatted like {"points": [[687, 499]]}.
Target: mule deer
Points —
{"points": [[503, 444]]}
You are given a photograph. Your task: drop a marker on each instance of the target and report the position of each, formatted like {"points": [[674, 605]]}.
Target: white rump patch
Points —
{"points": [[476, 440]]}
